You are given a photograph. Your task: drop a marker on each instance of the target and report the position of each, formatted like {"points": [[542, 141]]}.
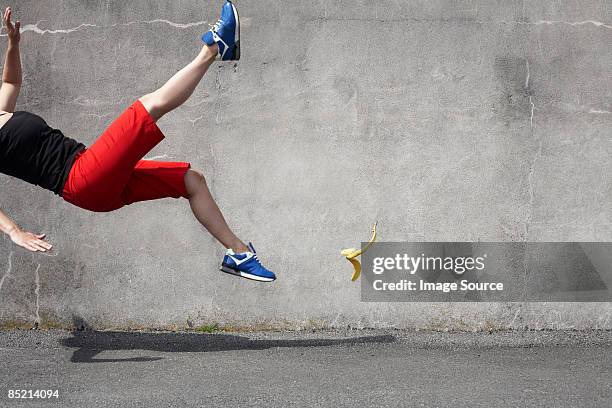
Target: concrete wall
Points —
{"points": [[444, 120]]}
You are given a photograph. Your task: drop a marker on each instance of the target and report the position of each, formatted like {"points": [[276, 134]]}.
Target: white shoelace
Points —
{"points": [[215, 27]]}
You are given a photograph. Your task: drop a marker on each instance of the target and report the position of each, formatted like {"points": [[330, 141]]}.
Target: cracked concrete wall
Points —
{"points": [[445, 120]]}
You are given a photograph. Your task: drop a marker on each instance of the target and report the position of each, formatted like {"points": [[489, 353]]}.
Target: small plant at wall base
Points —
{"points": [[207, 328]]}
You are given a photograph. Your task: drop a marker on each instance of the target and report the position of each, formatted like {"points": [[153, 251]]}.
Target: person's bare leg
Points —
{"points": [[208, 213], [170, 96], [180, 87]]}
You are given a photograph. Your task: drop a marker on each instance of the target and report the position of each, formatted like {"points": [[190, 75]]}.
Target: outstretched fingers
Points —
{"points": [[34, 243], [12, 30], [38, 242], [6, 18]]}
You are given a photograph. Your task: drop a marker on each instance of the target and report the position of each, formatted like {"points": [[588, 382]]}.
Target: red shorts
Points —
{"points": [[111, 173]]}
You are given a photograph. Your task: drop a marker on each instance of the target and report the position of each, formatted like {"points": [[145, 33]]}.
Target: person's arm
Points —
{"points": [[24, 239], [11, 75]]}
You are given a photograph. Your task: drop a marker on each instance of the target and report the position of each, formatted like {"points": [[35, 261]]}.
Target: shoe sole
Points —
{"points": [[245, 275], [237, 36]]}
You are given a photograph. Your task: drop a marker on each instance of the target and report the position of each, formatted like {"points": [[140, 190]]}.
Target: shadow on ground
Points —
{"points": [[89, 343]]}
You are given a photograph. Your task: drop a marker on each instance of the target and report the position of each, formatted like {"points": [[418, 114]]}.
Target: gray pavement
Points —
{"points": [[323, 368]]}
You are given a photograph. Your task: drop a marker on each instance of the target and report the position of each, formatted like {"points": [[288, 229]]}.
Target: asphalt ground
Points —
{"points": [[323, 368]]}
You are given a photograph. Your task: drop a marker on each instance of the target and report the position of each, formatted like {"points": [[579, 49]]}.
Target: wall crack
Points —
{"points": [[536, 157], [8, 270], [35, 28], [37, 293]]}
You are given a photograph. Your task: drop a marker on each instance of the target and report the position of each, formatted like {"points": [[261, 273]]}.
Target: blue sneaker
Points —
{"points": [[226, 33], [246, 265]]}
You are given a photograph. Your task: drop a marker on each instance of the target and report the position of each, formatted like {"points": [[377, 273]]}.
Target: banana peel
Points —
{"points": [[351, 254]]}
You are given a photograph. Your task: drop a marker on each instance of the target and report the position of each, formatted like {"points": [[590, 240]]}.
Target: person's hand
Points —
{"points": [[12, 30], [30, 241]]}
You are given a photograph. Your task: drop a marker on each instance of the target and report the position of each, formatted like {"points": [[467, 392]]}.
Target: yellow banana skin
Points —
{"points": [[352, 253], [357, 267]]}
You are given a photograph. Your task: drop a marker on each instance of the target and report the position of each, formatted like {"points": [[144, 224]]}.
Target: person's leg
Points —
{"points": [[180, 87], [208, 213], [108, 164], [154, 180]]}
